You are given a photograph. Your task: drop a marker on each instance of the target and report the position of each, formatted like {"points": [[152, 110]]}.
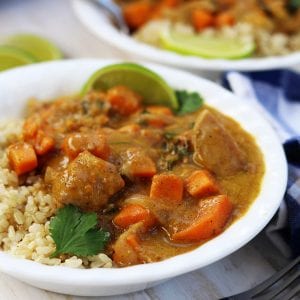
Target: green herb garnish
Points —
{"points": [[74, 232], [188, 102], [294, 4]]}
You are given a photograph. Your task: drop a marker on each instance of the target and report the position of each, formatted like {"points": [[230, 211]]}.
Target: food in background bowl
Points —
{"points": [[217, 29], [114, 178]]}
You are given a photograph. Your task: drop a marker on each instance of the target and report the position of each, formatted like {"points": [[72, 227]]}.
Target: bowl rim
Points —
{"points": [[234, 237], [97, 22]]}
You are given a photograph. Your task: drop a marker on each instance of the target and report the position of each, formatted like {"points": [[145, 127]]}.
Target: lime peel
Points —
{"points": [[143, 81], [11, 57], [206, 47], [37, 46]]}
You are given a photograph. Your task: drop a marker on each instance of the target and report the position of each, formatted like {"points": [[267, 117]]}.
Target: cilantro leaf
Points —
{"points": [[295, 4], [74, 232], [188, 102]]}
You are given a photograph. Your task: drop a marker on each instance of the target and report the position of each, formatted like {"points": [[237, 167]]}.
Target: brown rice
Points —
{"points": [[25, 213]]}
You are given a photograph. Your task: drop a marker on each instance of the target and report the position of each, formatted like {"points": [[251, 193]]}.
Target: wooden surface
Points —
{"points": [[244, 269]]}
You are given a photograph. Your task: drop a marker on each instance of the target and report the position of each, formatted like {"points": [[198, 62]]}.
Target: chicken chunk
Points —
{"points": [[215, 147], [88, 182]]}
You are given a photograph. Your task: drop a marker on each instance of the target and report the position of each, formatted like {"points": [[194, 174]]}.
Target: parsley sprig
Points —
{"points": [[75, 232]]}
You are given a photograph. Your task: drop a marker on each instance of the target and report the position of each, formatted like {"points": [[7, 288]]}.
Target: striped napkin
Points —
{"points": [[276, 94]]}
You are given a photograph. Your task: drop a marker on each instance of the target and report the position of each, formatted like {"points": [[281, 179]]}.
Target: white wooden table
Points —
{"points": [[245, 268]]}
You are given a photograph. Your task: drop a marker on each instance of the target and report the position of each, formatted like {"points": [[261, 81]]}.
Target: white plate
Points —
{"points": [[50, 80], [99, 23]]}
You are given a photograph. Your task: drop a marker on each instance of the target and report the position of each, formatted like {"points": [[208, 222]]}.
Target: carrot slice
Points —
{"points": [[138, 164], [167, 187], [202, 19], [201, 184], [22, 157], [123, 100], [159, 110], [213, 216], [224, 19], [30, 128], [43, 143], [130, 128], [134, 213]]}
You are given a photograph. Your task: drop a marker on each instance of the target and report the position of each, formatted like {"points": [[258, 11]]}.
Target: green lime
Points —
{"points": [[38, 47], [11, 57], [207, 47], [143, 81]]}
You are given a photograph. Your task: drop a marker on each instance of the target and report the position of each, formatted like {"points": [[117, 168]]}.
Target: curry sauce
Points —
{"points": [[161, 183]]}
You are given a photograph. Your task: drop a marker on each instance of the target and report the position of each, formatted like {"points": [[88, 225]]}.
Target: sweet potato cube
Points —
{"points": [[167, 187], [134, 213], [159, 110], [123, 100], [213, 214], [201, 184], [22, 157]]}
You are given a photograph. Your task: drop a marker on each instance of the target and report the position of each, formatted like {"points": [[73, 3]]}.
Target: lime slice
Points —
{"points": [[38, 47], [204, 46], [143, 81], [11, 57]]}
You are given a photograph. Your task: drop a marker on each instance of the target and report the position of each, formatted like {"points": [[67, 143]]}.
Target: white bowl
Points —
{"points": [[50, 80], [99, 23]]}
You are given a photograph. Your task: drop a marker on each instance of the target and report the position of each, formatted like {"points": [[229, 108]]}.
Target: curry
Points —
{"points": [[161, 183]]}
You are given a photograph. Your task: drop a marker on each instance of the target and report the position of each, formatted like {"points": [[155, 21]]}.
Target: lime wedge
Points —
{"points": [[204, 46], [38, 47], [143, 81], [11, 57]]}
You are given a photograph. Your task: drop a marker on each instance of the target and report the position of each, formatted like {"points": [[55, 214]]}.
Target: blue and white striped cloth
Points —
{"points": [[276, 94]]}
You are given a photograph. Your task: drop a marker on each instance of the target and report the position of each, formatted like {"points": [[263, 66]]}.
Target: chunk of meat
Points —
{"points": [[215, 147], [88, 182]]}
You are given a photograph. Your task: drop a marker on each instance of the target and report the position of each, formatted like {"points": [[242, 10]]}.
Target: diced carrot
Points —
{"points": [[226, 3], [224, 19], [131, 128], [214, 213], [156, 122], [159, 110], [145, 168], [30, 129], [22, 157], [43, 144], [167, 187], [171, 3], [137, 13], [123, 100], [134, 213], [201, 184], [138, 164], [202, 19], [95, 143]]}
